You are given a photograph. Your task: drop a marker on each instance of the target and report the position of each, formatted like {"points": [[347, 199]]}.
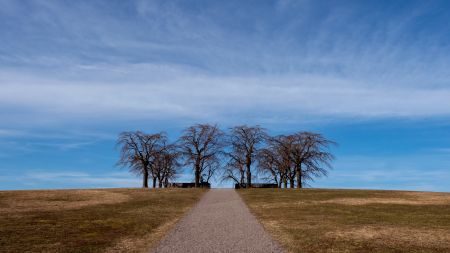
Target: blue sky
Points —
{"points": [[372, 75]]}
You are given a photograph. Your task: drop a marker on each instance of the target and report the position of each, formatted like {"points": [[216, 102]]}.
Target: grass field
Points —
{"points": [[314, 220], [112, 220]]}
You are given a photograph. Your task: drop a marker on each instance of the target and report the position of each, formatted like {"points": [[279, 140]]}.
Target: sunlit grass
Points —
{"points": [[113, 220], [314, 220]]}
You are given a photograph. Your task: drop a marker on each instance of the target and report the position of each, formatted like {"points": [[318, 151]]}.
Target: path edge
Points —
{"points": [[276, 241], [175, 223]]}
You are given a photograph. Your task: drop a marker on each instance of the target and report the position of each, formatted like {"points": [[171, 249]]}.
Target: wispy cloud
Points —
{"points": [[442, 150], [203, 97], [176, 61], [68, 83], [80, 179], [407, 172], [10, 133]]}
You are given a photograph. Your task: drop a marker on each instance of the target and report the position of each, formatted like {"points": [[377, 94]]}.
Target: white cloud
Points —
{"points": [[202, 97], [174, 62], [79, 179], [399, 172], [10, 133]]}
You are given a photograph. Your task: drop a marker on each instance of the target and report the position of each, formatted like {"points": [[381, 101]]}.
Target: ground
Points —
{"points": [[307, 220], [315, 220], [107, 220], [220, 222]]}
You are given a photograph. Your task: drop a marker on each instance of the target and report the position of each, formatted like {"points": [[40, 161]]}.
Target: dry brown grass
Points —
{"points": [[313, 220], [48, 200], [113, 220], [404, 198], [395, 236]]}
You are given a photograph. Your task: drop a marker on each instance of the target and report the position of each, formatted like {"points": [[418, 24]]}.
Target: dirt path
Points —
{"points": [[220, 222]]}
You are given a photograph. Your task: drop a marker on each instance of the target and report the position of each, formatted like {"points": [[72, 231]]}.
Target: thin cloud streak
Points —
{"points": [[69, 84], [73, 179], [172, 61], [205, 97]]}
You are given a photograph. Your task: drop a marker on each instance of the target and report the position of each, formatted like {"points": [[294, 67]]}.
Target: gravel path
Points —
{"points": [[220, 222]]}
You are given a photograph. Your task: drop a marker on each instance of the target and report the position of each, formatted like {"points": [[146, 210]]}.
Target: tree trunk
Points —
{"points": [[154, 182], [280, 181], [299, 176], [291, 182], [197, 177], [285, 183], [160, 183], [249, 173], [145, 179], [249, 179], [166, 182]]}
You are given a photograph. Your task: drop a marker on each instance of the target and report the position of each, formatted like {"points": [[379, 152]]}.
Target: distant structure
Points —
{"points": [[238, 186], [189, 185]]}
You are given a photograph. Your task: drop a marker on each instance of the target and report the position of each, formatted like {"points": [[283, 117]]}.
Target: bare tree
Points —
{"points": [[167, 164], [210, 167], [201, 145], [268, 163], [283, 146], [235, 168], [310, 155], [246, 140], [138, 151]]}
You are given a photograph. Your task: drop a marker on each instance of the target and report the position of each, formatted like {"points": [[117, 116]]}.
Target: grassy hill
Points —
{"points": [[307, 220], [316, 220], [107, 220]]}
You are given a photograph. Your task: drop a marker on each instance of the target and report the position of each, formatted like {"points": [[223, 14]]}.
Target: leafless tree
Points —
{"points": [[138, 151], [245, 141], [283, 146], [167, 164], [310, 155], [173, 166], [235, 168], [294, 159], [210, 167], [201, 145], [268, 163]]}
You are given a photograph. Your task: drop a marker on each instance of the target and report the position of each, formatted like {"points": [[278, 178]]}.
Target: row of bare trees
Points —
{"points": [[149, 155], [295, 158], [237, 155]]}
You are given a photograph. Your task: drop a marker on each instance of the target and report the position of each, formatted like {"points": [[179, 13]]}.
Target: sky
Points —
{"points": [[373, 76]]}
